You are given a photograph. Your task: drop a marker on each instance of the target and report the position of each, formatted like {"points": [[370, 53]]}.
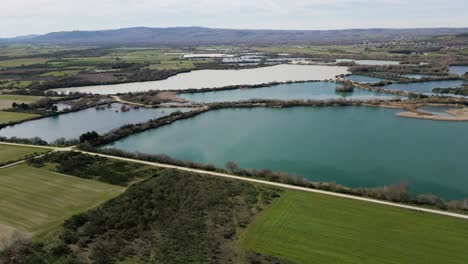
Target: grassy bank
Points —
{"points": [[36, 200], [7, 117], [10, 153], [312, 228]]}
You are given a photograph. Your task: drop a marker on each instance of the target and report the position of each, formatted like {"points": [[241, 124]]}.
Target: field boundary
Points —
{"points": [[269, 183]]}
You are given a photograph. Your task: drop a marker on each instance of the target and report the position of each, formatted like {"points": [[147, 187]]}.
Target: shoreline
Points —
{"points": [[173, 83], [458, 115]]}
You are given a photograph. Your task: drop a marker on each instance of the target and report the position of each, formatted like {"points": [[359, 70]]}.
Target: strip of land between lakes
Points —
{"points": [[274, 184]]}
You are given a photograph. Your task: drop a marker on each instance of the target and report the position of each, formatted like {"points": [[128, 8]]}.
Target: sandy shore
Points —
{"points": [[457, 115], [411, 111]]}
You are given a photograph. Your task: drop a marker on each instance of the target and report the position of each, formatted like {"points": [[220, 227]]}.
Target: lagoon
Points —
{"points": [[290, 91], [354, 146], [423, 87], [221, 78], [72, 125]]}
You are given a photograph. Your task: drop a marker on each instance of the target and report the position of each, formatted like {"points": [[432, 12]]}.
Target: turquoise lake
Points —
{"points": [[354, 146], [72, 125], [290, 91]]}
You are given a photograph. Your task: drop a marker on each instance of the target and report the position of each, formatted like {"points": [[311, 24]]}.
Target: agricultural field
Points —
{"points": [[38, 68], [322, 50], [10, 153], [14, 84], [311, 228], [6, 100], [7, 117], [60, 73], [21, 62], [15, 50], [172, 65], [36, 200]]}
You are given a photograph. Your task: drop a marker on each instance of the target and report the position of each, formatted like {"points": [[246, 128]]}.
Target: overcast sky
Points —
{"points": [[21, 17]]}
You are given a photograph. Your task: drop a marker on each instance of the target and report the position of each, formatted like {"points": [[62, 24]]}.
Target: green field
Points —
{"points": [[38, 200], [13, 153], [21, 62], [312, 228], [7, 117], [14, 50], [6, 100], [60, 73], [15, 84]]}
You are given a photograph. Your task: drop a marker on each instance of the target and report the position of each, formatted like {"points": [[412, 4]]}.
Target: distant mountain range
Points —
{"points": [[200, 35]]}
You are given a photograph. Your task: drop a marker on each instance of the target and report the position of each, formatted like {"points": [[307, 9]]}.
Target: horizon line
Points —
{"points": [[229, 28]]}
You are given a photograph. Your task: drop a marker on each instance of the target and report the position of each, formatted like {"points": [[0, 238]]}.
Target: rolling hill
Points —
{"points": [[200, 35]]}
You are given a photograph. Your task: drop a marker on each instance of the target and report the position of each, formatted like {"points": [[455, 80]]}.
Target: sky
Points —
{"points": [[23, 17]]}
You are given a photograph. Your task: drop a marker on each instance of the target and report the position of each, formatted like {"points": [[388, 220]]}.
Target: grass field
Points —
{"points": [[7, 117], [15, 84], [60, 73], [311, 228], [21, 62], [7, 99], [37, 200], [13, 50], [14, 153]]}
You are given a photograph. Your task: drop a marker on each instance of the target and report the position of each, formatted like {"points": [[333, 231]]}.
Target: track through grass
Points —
{"points": [[9, 154], [38, 200]]}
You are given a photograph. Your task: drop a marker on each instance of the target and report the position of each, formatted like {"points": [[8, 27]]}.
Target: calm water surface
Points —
{"points": [[72, 125], [423, 87], [291, 91], [363, 79], [460, 70], [354, 146], [220, 78]]}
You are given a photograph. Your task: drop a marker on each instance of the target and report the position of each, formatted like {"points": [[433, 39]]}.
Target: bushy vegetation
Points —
{"points": [[37, 200], [126, 130], [173, 217], [399, 192], [458, 90], [94, 167]]}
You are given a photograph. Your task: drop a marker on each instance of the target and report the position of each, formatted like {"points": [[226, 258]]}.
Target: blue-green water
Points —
{"points": [[363, 79], [423, 87], [354, 146], [72, 125], [290, 91], [460, 70]]}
